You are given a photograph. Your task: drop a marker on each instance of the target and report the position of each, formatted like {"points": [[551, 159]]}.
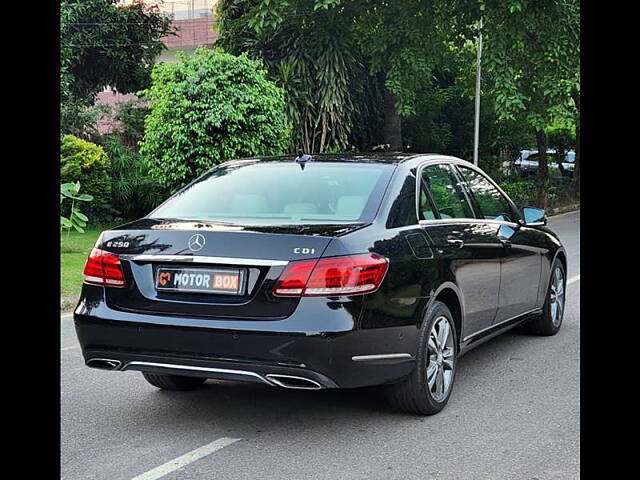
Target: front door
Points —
{"points": [[521, 260], [469, 249]]}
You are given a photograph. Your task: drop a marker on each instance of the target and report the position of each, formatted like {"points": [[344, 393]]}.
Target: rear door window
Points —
{"points": [[427, 210], [444, 190], [403, 209]]}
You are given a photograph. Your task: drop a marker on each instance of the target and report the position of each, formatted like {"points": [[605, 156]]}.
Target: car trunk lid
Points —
{"points": [[258, 254]]}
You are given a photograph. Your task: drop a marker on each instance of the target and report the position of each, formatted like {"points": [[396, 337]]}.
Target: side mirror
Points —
{"points": [[534, 217]]}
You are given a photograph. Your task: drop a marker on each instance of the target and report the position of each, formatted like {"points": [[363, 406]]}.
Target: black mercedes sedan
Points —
{"points": [[332, 271]]}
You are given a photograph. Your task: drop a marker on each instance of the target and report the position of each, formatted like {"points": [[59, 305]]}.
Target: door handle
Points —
{"points": [[456, 242]]}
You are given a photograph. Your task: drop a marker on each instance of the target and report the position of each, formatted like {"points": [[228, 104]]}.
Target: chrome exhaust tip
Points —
{"points": [[104, 363], [291, 381]]}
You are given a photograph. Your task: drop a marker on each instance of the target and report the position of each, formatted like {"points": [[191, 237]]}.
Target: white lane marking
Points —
{"points": [[186, 459], [66, 315], [573, 279], [72, 347]]}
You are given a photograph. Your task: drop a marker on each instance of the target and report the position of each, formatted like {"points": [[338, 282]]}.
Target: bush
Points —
{"points": [[80, 120], [522, 192], [492, 166], [560, 192], [208, 108], [130, 116], [134, 192], [87, 163]]}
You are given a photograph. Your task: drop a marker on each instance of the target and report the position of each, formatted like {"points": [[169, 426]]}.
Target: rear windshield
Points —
{"points": [[282, 193]]}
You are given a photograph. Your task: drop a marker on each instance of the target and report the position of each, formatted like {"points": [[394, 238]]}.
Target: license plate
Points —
{"points": [[200, 280]]}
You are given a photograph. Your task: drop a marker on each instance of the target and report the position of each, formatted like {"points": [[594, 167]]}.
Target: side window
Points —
{"points": [[447, 195], [491, 202], [403, 210], [426, 207]]}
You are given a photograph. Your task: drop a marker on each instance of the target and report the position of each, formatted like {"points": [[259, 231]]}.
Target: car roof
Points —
{"points": [[361, 157]]}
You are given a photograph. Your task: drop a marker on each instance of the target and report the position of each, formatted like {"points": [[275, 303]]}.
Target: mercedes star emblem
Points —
{"points": [[196, 242]]}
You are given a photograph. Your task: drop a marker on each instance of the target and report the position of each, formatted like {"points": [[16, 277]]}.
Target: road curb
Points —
{"points": [[573, 208], [565, 212]]}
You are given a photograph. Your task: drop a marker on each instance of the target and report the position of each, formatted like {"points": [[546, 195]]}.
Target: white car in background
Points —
{"points": [[527, 162]]}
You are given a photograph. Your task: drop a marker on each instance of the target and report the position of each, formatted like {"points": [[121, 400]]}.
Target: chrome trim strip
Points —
{"points": [[271, 376], [204, 259], [528, 312], [197, 369], [381, 356], [427, 223]]}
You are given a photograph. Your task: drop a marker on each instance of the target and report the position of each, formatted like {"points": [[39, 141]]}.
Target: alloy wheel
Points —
{"points": [[441, 355], [557, 296]]}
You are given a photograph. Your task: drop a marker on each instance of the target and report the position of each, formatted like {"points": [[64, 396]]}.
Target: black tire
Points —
{"points": [[412, 394], [173, 382], [544, 324]]}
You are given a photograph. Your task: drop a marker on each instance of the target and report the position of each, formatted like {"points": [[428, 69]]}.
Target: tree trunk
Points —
{"points": [[543, 169], [560, 154], [576, 168], [392, 123]]}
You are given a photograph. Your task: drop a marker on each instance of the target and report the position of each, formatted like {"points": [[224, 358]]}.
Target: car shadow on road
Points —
{"points": [[258, 407]]}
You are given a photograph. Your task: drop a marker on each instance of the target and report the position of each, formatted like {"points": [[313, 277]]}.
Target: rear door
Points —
{"points": [[470, 248], [521, 259]]}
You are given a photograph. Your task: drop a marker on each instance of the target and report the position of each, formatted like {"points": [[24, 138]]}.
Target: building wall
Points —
{"points": [[191, 33]]}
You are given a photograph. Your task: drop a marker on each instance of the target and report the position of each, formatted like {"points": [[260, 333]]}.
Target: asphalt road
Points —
{"points": [[514, 414]]}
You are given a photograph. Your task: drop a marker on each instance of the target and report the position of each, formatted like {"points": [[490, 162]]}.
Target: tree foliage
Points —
{"points": [[530, 63], [209, 108], [134, 192], [312, 55], [532, 58], [331, 54], [104, 44]]}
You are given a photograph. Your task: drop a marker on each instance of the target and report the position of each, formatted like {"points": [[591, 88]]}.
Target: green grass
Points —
{"points": [[73, 254]]}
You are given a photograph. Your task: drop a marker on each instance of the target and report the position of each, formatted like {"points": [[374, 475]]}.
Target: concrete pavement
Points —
{"points": [[514, 414]]}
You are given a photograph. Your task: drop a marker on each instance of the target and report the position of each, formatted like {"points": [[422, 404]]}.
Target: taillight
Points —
{"points": [[332, 276], [103, 268]]}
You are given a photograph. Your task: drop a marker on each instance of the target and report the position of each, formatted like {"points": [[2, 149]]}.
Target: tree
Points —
{"points": [[404, 42], [531, 63], [209, 108], [561, 137], [103, 44], [576, 172], [312, 55], [325, 41]]}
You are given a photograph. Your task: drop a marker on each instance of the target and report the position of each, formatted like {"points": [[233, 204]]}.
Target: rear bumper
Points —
{"points": [[249, 350], [255, 372]]}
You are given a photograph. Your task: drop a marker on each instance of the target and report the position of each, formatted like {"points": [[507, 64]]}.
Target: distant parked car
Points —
{"points": [[527, 162]]}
